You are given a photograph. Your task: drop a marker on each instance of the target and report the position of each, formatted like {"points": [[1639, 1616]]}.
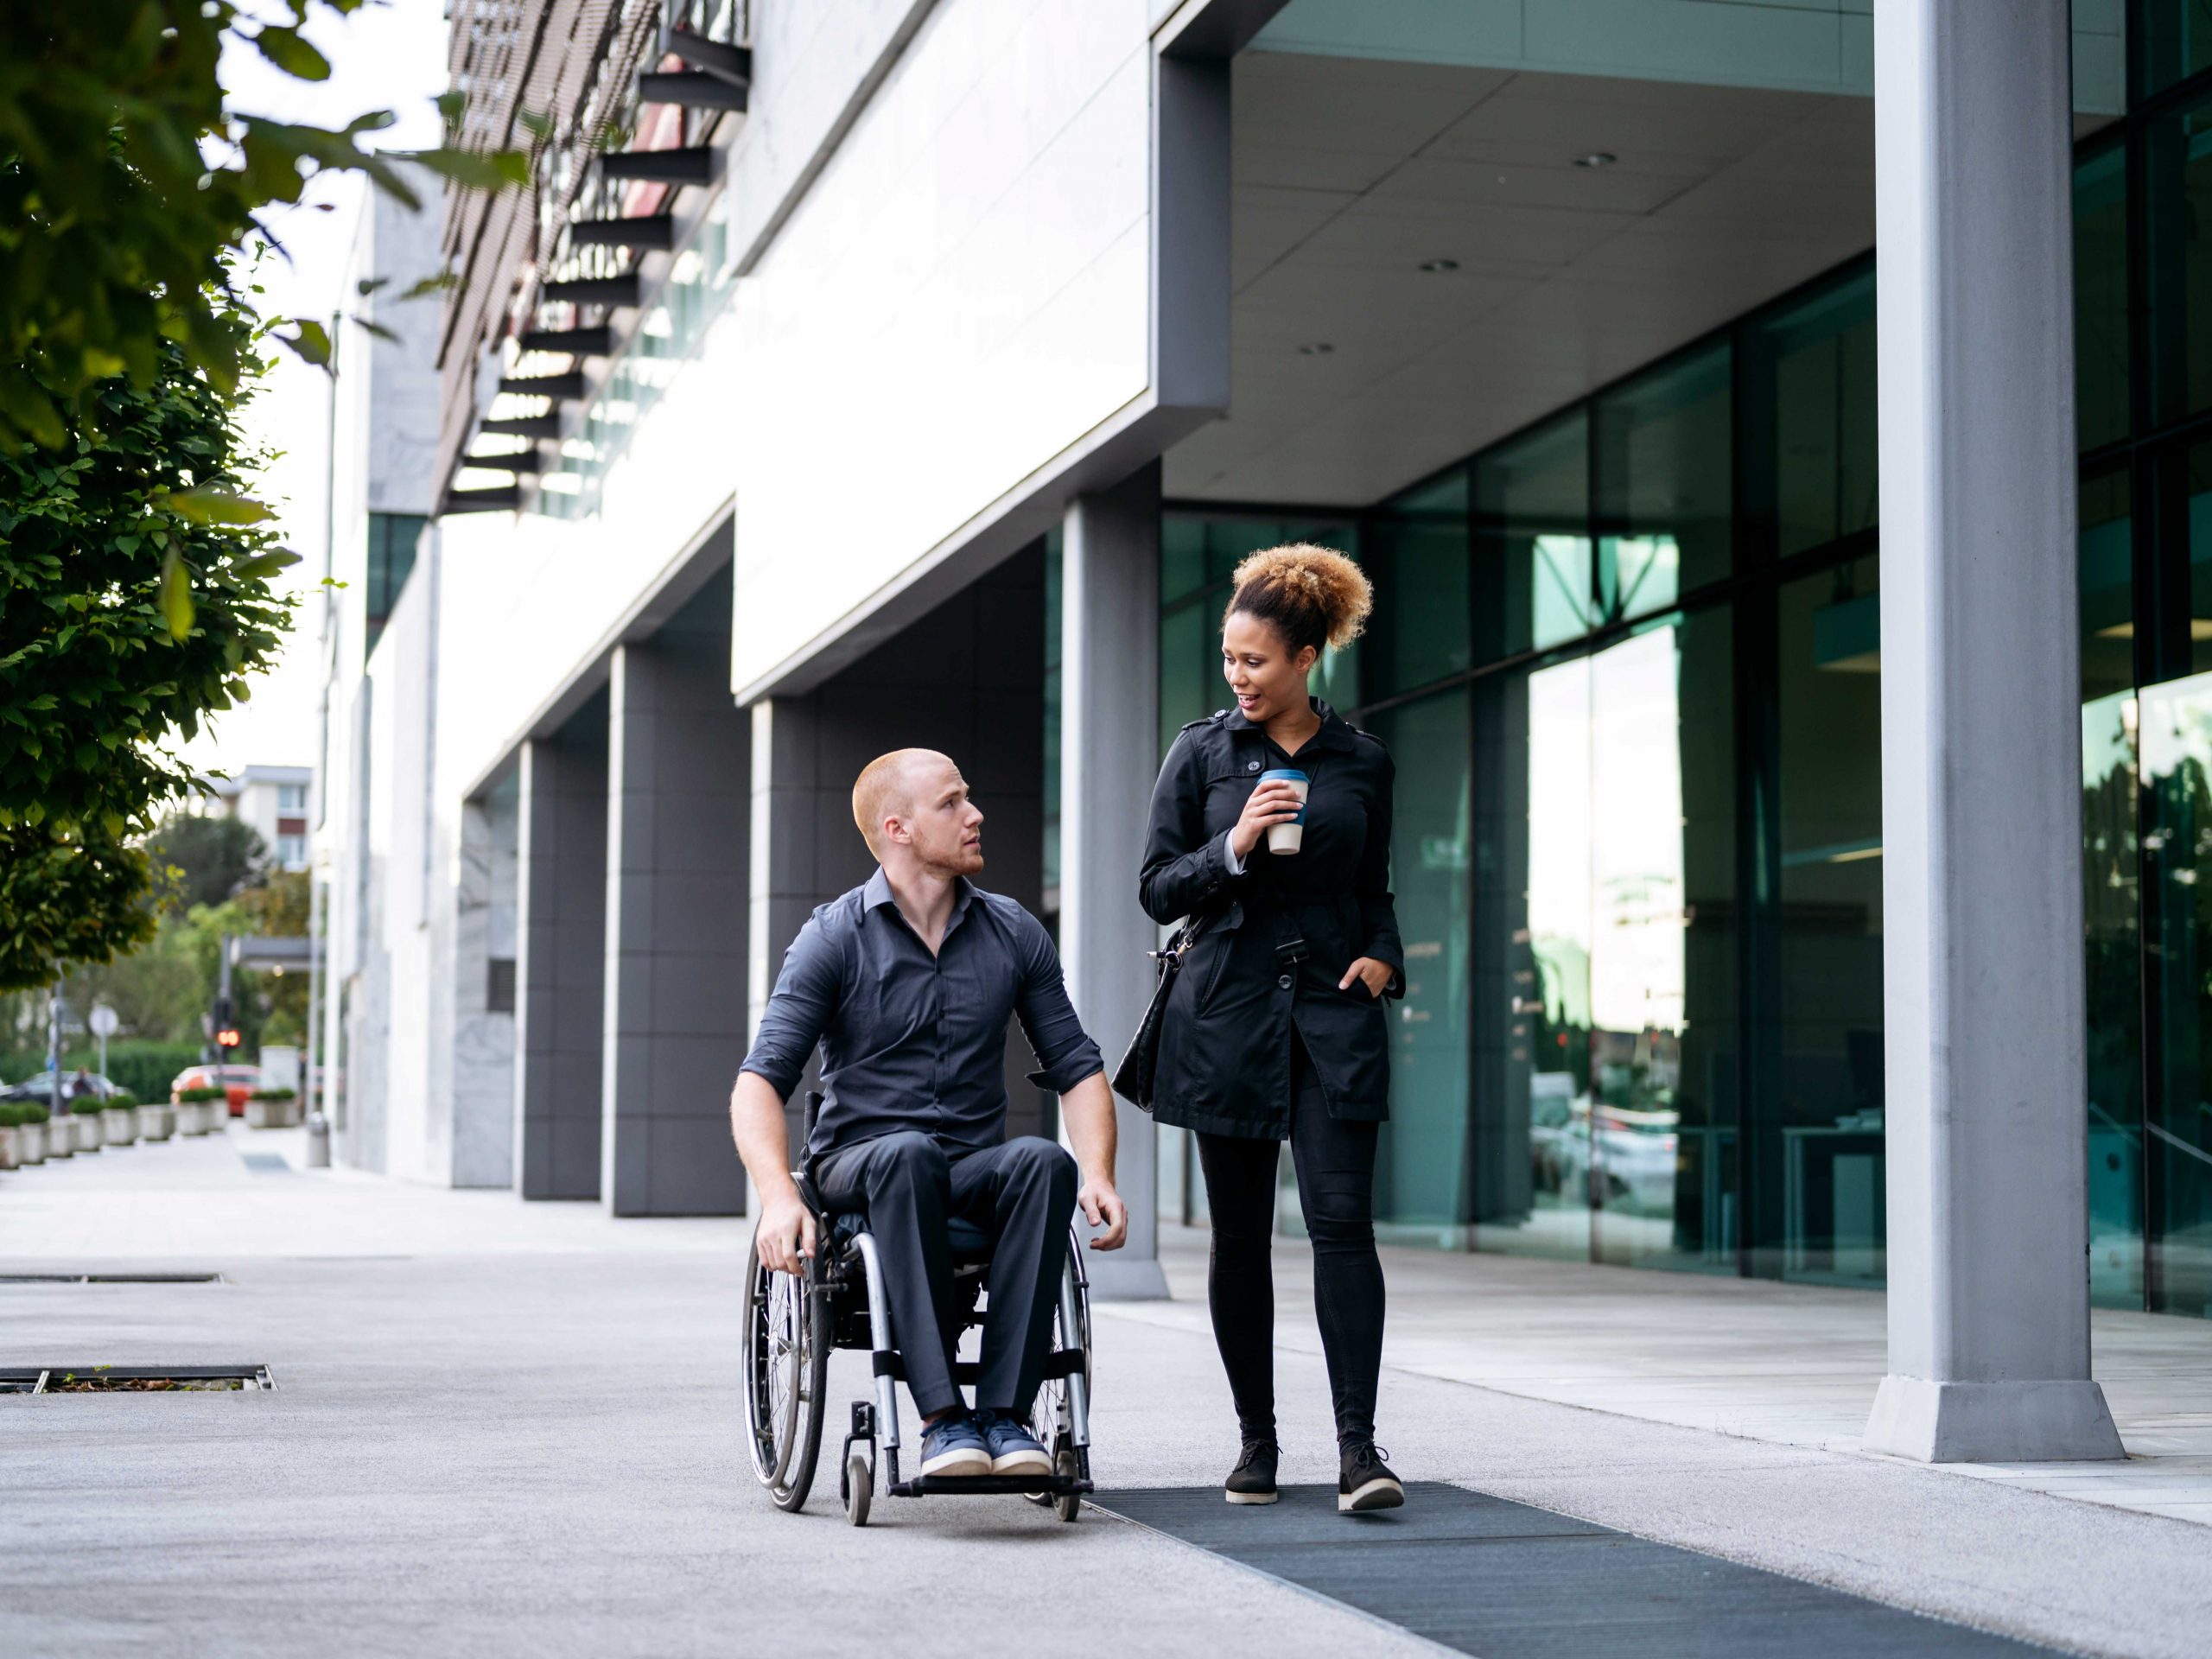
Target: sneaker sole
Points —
{"points": [[968, 1460], [1022, 1463], [1375, 1495], [1251, 1498]]}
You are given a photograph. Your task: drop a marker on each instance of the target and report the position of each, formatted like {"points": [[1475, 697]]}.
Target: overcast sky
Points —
{"points": [[389, 55]]}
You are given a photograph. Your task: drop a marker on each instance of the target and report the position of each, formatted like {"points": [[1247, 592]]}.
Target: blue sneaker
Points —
{"points": [[1014, 1450], [954, 1446]]}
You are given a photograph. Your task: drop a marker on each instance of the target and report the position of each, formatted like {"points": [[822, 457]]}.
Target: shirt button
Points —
{"points": [[1284, 981], [1251, 766]]}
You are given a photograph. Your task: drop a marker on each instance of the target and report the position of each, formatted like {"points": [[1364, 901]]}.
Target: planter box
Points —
{"points": [[157, 1122], [30, 1145], [192, 1117], [295, 1112], [8, 1132], [264, 1113], [60, 1139], [91, 1134], [120, 1125]]}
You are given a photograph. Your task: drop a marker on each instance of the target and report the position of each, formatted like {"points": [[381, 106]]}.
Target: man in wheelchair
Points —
{"points": [[906, 983]]}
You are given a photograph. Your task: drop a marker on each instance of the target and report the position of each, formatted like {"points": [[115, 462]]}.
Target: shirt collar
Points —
{"points": [[1334, 734], [877, 893]]}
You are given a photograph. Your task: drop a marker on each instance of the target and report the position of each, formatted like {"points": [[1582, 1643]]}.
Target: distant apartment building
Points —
{"points": [[274, 800]]}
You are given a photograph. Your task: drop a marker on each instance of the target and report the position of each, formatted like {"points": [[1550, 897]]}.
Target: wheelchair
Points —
{"points": [[792, 1323]]}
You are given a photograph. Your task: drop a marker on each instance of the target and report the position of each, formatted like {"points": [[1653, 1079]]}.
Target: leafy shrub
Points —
{"points": [[87, 1106], [121, 1101], [274, 1094], [194, 1096]]}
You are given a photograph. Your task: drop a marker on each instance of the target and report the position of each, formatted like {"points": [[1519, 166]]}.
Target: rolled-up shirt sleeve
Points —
{"points": [[1066, 1053], [799, 1009]]}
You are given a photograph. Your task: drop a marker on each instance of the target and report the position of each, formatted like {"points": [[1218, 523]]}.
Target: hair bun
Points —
{"points": [[1314, 595]]}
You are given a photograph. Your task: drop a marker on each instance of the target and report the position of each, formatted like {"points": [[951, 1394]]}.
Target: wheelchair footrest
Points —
{"points": [[986, 1486]]}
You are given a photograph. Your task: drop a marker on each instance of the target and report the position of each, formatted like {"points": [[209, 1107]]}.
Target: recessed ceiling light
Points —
{"points": [[1439, 264], [1319, 348], [1597, 158]]}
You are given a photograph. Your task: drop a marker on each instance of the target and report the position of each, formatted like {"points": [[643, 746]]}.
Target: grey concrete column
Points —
{"points": [[679, 778], [483, 1147], [783, 888], [1109, 756], [1988, 1277], [561, 965]]}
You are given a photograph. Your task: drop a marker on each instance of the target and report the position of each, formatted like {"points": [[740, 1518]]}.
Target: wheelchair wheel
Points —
{"points": [[786, 1365], [1051, 1421]]}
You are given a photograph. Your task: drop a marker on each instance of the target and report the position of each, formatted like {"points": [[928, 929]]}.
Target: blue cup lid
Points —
{"points": [[1285, 771]]}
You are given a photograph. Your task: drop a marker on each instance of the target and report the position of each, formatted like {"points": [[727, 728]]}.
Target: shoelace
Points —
{"points": [[1252, 1451], [1371, 1456]]}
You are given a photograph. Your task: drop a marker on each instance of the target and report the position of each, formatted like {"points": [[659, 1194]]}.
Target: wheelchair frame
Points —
{"points": [[840, 1303]]}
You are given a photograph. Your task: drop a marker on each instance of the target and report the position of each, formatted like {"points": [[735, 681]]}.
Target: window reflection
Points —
{"points": [[1666, 484], [1818, 1108], [1532, 554]]}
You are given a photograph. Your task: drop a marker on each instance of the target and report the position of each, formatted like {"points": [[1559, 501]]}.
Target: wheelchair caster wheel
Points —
{"points": [[860, 1487], [1070, 1505]]}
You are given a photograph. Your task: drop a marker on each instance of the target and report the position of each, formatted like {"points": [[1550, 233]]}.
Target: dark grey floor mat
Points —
{"points": [[1507, 1581]]}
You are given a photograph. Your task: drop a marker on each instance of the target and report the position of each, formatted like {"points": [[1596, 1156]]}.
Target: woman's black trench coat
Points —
{"points": [[1278, 938]]}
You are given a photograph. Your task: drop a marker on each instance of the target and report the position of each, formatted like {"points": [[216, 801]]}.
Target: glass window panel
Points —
{"points": [[1190, 669], [2196, 471], [1182, 557], [1819, 1107], [1532, 549], [2173, 41], [1665, 484], [1818, 364], [1662, 967], [2100, 298], [2111, 897], [1531, 976], [1422, 1170], [2179, 218], [1418, 555], [2176, 803]]}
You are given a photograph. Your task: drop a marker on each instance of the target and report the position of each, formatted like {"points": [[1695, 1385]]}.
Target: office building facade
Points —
{"points": [[1791, 664]]}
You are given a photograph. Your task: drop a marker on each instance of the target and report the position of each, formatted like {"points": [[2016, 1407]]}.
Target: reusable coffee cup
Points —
{"points": [[1288, 837]]}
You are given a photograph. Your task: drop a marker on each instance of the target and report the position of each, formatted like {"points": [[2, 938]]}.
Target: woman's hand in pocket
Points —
{"points": [[1375, 976]]}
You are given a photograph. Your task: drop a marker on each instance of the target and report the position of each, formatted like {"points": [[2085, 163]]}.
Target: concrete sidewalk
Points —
{"points": [[1792, 1364], [511, 1429]]}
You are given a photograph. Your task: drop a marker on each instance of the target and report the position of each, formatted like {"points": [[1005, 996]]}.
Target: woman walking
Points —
{"points": [[1271, 828]]}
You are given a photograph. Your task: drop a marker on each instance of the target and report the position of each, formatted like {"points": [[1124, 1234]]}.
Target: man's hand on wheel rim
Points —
{"points": [[786, 1233], [1102, 1207]]}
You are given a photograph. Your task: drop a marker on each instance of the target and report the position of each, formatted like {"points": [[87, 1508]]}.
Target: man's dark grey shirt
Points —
{"points": [[913, 1041]]}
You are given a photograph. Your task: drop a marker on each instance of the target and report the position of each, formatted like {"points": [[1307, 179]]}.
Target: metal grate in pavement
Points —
{"points": [[265, 1163], [111, 1279], [1508, 1582], [137, 1379]]}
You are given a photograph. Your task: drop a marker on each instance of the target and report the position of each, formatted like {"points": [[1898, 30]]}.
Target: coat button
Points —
{"points": [[1251, 766], [1284, 981]]}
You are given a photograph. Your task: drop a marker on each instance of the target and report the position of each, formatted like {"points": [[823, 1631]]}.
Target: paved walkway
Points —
{"points": [[1794, 1365], [509, 1429]]}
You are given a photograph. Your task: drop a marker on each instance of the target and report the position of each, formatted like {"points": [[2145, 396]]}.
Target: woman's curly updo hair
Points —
{"points": [[1310, 595]]}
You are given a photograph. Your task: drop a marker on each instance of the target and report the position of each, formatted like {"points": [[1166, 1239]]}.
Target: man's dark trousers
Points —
{"points": [[1020, 1193]]}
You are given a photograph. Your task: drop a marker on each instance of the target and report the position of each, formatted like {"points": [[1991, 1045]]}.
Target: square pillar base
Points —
{"points": [[2057, 1420], [1113, 1279]]}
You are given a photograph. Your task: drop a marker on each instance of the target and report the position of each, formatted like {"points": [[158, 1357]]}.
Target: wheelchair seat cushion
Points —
{"points": [[970, 1243]]}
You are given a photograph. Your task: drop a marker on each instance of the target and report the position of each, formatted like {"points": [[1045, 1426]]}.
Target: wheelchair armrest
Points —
{"points": [[808, 1195]]}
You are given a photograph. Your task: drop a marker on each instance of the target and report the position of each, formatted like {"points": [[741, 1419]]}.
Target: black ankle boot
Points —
{"points": [[1252, 1479], [1365, 1481]]}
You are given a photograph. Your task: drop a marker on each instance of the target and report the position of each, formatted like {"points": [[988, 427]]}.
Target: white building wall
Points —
{"points": [[962, 294]]}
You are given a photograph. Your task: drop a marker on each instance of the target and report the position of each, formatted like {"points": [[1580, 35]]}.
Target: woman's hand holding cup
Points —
{"points": [[1276, 800]]}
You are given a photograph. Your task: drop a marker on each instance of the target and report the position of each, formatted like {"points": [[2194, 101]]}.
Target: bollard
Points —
{"points": [[318, 1142]]}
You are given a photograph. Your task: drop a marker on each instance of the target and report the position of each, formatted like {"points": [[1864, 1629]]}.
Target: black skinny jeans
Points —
{"points": [[1336, 1185]]}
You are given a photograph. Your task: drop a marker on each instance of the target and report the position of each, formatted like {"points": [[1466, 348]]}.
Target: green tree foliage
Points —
{"points": [[127, 179], [133, 602], [212, 857]]}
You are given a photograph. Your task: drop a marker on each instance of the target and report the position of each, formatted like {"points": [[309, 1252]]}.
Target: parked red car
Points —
{"points": [[239, 1082]]}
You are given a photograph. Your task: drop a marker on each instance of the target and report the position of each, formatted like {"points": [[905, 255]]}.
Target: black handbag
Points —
{"points": [[1133, 1078]]}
